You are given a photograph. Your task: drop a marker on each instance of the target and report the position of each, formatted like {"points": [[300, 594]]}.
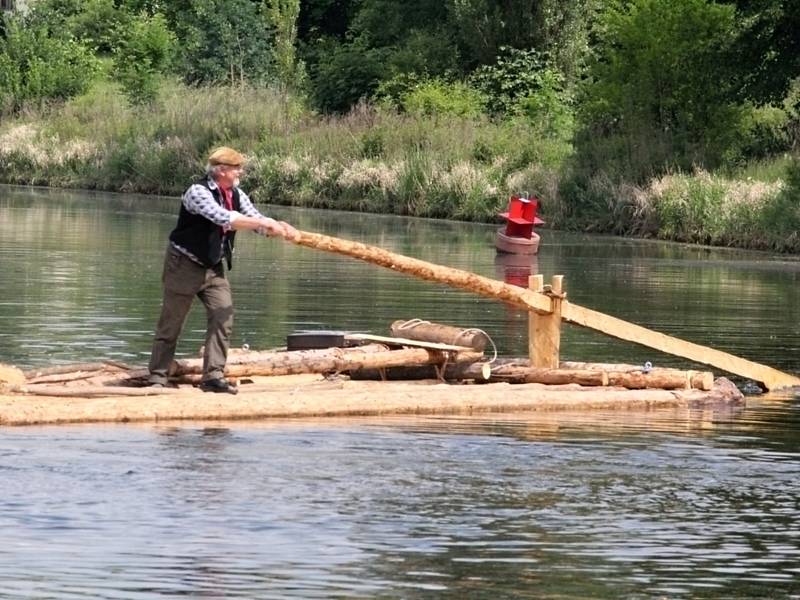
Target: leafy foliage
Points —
{"points": [[281, 17], [656, 73], [222, 41], [765, 56], [346, 73], [36, 66], [436, 97], [143, 53], [516, 74]]}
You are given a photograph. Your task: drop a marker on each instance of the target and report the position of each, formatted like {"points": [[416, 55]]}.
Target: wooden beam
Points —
{"points": [[767, 376], [428, 271]]}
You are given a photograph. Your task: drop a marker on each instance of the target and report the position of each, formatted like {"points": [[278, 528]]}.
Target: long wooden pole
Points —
{"points": [[541, 303]]}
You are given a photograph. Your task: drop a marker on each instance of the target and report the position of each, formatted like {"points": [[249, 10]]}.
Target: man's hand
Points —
{"points": [[272, 228]]}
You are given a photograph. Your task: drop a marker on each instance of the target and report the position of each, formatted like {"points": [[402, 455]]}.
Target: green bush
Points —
{"points": [[691, 211], [436, 97], [144, 52], [424, 52], [98, 24], [373, 143], [548, 108], [515, 75], [345, 74], [36, 66], [781, 216]]}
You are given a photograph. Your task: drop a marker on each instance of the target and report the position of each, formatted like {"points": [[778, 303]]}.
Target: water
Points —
{"points": [[650, 504]]}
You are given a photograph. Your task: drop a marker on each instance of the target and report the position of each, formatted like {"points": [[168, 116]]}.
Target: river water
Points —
{"points": [[648, 504]]}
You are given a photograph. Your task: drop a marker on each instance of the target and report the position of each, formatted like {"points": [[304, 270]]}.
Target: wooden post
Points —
{"points": [[544, 330], [535, 284]]}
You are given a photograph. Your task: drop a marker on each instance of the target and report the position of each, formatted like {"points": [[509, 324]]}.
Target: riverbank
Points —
{"points": [[375, 160]]}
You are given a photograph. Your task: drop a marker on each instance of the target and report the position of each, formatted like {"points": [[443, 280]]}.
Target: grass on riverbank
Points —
{"points": [[376, 160]]}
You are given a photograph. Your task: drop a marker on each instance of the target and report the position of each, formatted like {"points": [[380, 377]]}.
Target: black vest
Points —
{"points": [[203, 238]]}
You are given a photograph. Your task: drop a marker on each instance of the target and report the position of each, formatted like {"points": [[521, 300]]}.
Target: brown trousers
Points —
{"points": [[184, 279]]}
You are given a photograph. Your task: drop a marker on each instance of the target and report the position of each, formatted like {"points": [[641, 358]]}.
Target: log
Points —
{"points": [[541, 303], [698, 380], [329, 360], [663, 379], [425, 270], [477, 371], [269, 355], [520, 371], [484, 372], [526, 374], [424, 331]]}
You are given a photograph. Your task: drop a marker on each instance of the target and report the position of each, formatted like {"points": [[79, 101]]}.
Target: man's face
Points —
{"points": [[228, 175]]}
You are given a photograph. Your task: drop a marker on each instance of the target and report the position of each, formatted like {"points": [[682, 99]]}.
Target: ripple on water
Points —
{"points": [[572, 506]]}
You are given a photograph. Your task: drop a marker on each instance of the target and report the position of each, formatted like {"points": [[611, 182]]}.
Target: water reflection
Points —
{"points": [[515, 269]]}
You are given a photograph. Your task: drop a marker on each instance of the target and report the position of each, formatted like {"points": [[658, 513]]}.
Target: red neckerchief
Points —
{"points": [[227, 197]]}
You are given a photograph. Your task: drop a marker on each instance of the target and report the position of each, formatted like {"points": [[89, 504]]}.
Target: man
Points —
{"points": [[212, 210]]}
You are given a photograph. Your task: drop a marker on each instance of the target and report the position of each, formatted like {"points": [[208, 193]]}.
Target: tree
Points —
{"points": [[144, 52], [222, 41], [766, 54], [36, 66], [281, 17], [656, 78], [558, 29]]}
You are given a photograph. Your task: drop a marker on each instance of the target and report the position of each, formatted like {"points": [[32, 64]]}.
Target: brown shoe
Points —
{"points": [[218, 386]]}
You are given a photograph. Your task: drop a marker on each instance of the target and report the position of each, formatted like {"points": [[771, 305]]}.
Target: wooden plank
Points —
{"points": [[535, 284], [592, 319], [398, 341]]}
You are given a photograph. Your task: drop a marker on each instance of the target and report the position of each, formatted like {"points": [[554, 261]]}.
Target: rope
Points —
{"points": [[488, 337]]}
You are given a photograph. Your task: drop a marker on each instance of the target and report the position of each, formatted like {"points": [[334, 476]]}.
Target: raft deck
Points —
{"points": [[316, 396]]}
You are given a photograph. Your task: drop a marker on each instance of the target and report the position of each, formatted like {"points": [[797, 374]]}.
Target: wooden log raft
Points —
{"points": [[11, 376], [328, 360], [424, 331]]}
